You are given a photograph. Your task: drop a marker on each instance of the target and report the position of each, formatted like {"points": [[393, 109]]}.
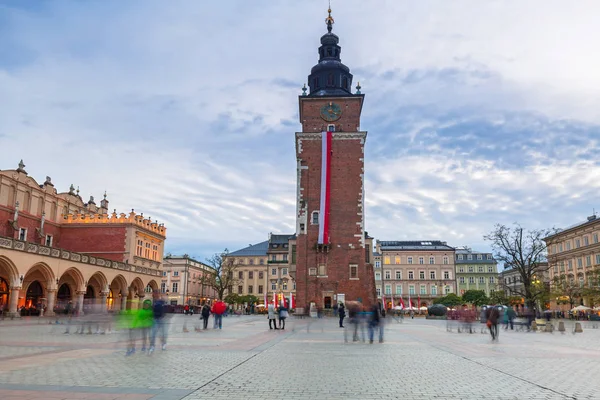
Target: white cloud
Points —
{"points": [[188, 113]]}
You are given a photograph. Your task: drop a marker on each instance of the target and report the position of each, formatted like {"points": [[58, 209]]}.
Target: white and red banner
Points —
{"points": [[325, 188], [291, 301], [402, 302]]}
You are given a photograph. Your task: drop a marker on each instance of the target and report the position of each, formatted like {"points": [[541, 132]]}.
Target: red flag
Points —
{"points": [[402, 302]]}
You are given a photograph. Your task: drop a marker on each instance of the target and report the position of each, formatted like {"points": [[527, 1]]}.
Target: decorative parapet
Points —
{"points": [[14, 244], [114, 218]]}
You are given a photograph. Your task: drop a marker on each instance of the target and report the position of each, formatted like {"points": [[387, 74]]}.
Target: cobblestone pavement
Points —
{"points": [[245, 360]]}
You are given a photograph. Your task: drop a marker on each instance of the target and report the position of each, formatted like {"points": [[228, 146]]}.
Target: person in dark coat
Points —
{"points": [[342, 314], [205, 314], [492, 315]]}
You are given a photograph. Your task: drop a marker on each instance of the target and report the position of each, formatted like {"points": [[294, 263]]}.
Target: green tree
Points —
{"points": [[476, 297], [232, 298], [498, 297], [525, 252], [450, 300]]}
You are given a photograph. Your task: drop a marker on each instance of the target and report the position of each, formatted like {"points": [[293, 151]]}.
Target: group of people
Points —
{"points": [[145, 323], [359, 317], [280, 313]]}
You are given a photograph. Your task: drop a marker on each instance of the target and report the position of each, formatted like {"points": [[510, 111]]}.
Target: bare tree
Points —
{"points": [[524, 251], [223, 278]]}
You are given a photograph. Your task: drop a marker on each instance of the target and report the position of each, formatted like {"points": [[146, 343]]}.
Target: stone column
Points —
{"points": [[103, 299], [51, 302], [124, 301], [14, 302], [80, 302]]}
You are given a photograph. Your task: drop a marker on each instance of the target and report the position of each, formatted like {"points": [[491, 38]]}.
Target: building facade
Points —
{"points": [[184, 281], [263, 269], [475, 271], [332, 261], [54, 248], [421, 270], [574, 253]]}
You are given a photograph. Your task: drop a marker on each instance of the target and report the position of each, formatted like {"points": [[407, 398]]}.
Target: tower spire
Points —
{"points": [[329, 20]]}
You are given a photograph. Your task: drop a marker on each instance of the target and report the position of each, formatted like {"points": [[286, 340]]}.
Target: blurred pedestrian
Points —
{"points": [[271, 316], [342, 313], [159, 323], [218, 309], [205, 314], [492, 315], [375, 322], [283, 314]]}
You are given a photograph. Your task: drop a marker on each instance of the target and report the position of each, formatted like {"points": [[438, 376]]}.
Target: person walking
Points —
{"points": [[283, 314], [218, 309], [205, 314], [342, 314], [159, 323], [271, 316], [375, 322], [492, 315]]}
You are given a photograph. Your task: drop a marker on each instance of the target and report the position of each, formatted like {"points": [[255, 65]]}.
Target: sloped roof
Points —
{"points": [[280, 239], [259, 249], [415, 245]]}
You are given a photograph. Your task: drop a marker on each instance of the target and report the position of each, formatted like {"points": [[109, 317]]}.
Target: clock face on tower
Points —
{"points": [[331, 112]]}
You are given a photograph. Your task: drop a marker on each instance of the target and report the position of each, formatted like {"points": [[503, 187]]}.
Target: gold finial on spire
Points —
{"points": [[329, 20]]}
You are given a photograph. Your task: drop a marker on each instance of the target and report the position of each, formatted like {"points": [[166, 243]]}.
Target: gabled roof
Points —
{"points": [[259, 249]]}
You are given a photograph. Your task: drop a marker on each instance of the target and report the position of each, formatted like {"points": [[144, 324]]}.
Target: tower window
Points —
{"points": [[331, 128], [330, 80], [315, 218], [345, 83], [316, 83]]}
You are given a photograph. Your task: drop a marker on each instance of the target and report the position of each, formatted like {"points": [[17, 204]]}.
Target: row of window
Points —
{"points": [[411, 275], [433, 290], [284, 286], [482, 279], [470, 256], [588, 263], [480, 268], [409, 260], [557, 248], [146, 249], [23, 237]]}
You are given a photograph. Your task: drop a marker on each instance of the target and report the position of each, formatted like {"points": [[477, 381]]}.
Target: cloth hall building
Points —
{"points": [[55, 249]]}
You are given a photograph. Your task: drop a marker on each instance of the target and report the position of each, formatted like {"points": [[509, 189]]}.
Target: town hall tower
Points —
{"points": [[333, 252]]}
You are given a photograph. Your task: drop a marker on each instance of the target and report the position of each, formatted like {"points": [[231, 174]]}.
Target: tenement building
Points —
{"points": [[263, 270], [475, 271], [415, 273], [574, 253], [55, 249], [333, 261], [185, 281]]}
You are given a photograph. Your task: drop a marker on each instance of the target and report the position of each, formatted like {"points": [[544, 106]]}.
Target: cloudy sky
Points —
{"points": [[477, 112]]}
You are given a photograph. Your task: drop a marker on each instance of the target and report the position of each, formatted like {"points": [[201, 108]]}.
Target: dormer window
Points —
{"points": [[314, 219]]}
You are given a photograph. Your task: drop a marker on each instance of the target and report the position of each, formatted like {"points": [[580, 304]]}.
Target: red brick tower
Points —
{"points": [[332, 253]]}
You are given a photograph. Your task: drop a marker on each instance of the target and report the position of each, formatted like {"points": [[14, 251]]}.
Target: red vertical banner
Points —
{"points": [[325, 187]]}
